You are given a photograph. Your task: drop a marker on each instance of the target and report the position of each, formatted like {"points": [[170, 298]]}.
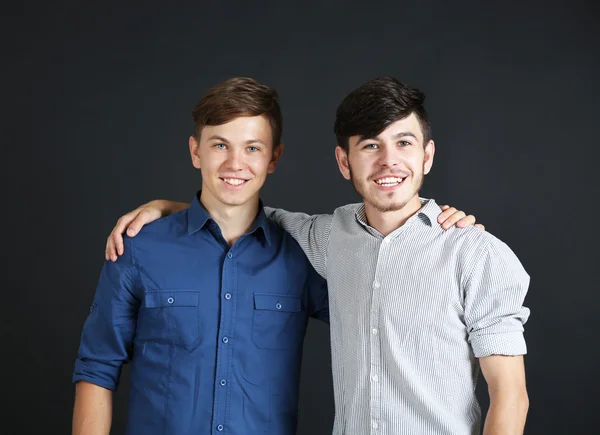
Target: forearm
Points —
{"points": [[507, 413], [92, 414]]}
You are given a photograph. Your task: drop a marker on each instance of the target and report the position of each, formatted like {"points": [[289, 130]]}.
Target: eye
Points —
{"points": [[370, 146], [220, 146], [253, 149], [404, 143]]}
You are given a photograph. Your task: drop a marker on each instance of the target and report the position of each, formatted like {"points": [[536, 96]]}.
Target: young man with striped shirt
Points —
{"points": [[416, 312]]}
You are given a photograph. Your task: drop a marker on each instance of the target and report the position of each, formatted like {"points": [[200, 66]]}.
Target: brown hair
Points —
{"points": [[239, 96]]}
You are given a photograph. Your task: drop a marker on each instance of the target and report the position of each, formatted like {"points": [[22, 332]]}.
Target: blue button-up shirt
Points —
{"points": [[213, 333]]}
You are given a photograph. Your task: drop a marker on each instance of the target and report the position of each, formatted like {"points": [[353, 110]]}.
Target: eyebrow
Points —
{"points": [[396, 136], [404, 133], [248, 142]]}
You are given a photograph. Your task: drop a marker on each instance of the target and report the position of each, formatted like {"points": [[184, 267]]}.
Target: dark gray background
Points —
{"points": [[513, 98]]}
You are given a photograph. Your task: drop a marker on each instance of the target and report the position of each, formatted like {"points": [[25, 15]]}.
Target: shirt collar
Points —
{"points": [[198, 217], [429, 211], [428, 214], [263, 223]]}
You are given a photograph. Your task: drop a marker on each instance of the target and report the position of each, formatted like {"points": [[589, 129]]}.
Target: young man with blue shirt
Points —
{"points": [[209, 306]]}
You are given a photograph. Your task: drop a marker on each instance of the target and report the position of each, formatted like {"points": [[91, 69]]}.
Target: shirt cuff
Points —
{"points": [[91, 374], [507, 343]]}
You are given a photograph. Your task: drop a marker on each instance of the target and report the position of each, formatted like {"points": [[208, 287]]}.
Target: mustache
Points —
{"points": [[393, 172]]}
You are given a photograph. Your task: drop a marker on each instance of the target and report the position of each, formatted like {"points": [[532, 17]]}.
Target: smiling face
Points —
{"points": [[234, 159], [387, 170]]}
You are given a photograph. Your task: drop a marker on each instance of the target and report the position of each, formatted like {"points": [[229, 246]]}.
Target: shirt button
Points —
{"points": [[170, 300], [374, 378], [227, 296], [374, 331], [225, 340], [229, 254], [223, 382], [376, 284], [278, 306], [386, 240], [220, 427], [374, 425]]}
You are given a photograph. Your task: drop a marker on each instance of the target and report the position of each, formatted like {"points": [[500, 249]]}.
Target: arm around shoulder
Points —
{"points": [[311, 233]]}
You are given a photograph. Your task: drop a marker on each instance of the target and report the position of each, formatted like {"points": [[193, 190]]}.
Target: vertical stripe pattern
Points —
{"points": [[410, 314]]}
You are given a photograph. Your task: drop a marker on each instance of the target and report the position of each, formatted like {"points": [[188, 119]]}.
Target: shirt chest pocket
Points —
{"points": [[279, 321], [170, 316]]}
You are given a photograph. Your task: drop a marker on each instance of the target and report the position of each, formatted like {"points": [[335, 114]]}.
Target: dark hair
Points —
{"points": [[239, 96], [372, 107]]}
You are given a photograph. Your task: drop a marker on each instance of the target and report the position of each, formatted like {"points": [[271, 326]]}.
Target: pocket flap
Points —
{"points": [[269, 301], [172, 298]]}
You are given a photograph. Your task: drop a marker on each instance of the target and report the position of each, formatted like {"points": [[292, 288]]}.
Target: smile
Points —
{"points": [[234, 182], [389, 181]]}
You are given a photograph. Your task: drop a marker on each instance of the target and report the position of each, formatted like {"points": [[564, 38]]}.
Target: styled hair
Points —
{"points": [[372, 107], [236, 97]]}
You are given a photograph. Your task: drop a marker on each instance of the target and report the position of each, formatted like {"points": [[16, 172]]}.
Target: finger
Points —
{"points": [[446, 214], [118, 243], [109, 249], [444, 207], [466, 221], [480, 226], [140, 220], [452, 220]]}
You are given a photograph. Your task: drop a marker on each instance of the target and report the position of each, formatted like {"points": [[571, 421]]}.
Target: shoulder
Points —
{"points": [[347, 211], [474, 238], [348, 208], [171, 225], [489, 254], [285, 245]]}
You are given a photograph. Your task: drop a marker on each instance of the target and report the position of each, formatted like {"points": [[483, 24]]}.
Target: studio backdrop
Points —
{"points": [[512, 92]]}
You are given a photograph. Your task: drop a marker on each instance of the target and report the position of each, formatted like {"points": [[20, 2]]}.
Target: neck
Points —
{"points": [[388, 221], [233, 220]]}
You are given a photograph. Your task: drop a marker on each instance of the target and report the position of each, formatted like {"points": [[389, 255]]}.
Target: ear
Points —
{"points": [[342, 160], [277, 152], [428, 159], [194, 152]]}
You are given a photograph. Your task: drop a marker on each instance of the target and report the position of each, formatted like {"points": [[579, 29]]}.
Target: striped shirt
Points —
{"points": [[410, 314]]}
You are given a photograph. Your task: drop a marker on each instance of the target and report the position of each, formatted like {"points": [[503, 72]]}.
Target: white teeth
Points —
{"points": [[389, 181], [234, 181]]}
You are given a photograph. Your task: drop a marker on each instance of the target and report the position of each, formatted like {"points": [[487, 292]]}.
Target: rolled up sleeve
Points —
{"points": [[494, 296], [109, 329]]}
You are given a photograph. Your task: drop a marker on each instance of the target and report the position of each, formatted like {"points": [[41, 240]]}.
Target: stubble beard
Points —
{"points": [[389, 206]]}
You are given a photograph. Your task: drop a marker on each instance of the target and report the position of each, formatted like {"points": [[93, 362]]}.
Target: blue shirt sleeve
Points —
{"points": [[108, 332], [318, 297]]}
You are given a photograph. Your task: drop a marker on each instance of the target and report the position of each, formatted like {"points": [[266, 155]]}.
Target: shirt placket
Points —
{"points": [[375, 341], [228, 295]]}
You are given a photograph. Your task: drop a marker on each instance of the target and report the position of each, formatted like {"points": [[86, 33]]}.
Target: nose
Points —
{"points": [[388, 156], [235, 160]]}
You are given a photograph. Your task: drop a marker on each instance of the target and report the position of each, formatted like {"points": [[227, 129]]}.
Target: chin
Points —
{"points": [[239, 198], [385, 205], [233, 202], [389, 207]]}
